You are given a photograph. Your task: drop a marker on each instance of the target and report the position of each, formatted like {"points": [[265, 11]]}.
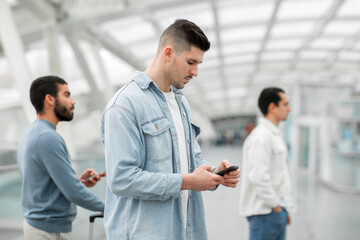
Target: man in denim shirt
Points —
{"points": [[153, 161]]}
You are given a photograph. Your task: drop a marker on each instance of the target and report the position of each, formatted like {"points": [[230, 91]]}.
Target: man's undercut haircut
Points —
{"points": [[267, 96], [183, 34], [42, 86]]}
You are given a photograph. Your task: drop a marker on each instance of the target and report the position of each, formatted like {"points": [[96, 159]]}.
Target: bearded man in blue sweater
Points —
{"points": [[50, 188]]}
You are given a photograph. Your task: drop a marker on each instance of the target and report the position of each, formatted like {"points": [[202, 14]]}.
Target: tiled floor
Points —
{"points": [[324, 214]]}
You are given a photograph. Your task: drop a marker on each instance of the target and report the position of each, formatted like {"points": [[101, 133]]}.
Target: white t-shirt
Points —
{"points": [[179, 127]]}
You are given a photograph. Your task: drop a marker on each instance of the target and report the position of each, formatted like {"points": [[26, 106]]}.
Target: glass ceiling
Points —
{"points": [[254, 44]]}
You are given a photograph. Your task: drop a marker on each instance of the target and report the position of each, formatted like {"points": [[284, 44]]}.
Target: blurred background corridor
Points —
{"points": [[310, 48]]}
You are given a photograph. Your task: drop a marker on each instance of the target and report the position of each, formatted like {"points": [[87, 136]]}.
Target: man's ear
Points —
{"points": [[168, 52], [49, 100], [271, 107]]}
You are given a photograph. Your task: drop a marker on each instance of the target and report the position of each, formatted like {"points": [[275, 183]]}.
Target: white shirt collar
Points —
{"points": [[269, 125]]}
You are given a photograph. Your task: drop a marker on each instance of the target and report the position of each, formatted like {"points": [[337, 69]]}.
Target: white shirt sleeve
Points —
{"points": [[259, 155]]}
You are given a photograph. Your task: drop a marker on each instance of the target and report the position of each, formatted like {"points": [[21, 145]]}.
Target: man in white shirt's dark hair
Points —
{"points": [[266, 188]]}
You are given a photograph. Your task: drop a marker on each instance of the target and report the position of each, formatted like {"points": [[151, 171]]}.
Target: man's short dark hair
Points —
{"points": [[183, 34], [42, 86], [267, 96]]}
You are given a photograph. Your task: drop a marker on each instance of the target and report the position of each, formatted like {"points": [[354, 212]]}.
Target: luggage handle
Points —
{"points": [[92, 217], [92, 220]]}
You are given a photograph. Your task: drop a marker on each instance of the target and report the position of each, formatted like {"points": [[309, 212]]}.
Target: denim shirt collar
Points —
{"points": [[144, 81]]}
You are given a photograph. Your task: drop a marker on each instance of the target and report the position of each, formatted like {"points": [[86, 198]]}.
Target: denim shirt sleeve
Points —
{"points": [[197, 150], [125, 154]]}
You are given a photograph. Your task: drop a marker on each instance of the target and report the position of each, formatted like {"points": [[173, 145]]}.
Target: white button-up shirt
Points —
{"points": [[266, 176]]}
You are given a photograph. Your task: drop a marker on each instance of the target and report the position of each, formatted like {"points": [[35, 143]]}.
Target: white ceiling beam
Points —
{"points": [[97, 98], [222, 73], [133, 9], [40, 8], [331, 60], [269, 28], [111, 44], [158, 30], [318, 31], [14, 51]]}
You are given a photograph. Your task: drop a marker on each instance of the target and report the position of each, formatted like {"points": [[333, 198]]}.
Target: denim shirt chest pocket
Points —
{"points": [[158, 145]]}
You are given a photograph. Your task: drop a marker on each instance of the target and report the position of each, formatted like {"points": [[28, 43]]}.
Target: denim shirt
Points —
{"points": [[143, 196]]}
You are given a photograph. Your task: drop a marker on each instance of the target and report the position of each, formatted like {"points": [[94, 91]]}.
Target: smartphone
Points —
{"points": [[227, 170], [94, 176]]}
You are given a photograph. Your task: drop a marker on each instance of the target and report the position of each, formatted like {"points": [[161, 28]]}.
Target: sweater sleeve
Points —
{"points": [[55, 158]]}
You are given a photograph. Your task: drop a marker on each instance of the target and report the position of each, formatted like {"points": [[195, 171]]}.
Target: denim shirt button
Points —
{"points": [[189, 224], [184, 114]]}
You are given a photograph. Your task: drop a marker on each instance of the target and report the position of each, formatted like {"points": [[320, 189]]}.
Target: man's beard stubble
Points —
{"points": [[63, 113]]}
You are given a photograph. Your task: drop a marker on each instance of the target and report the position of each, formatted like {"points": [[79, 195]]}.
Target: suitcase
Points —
{"points": [[92, 220]]}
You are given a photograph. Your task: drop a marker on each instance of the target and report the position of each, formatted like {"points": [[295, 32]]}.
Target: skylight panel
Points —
{"points": [[347, 28], [295, 29], [132, 32], [284, 44], [314, 54], [274, 66], [236, 80], [240, 69], [331, 43], [303, 9], [350, 8], [245, 13], [242, 34], [305, 65], [346, 66], [145, 50], [199, 13], [38, 62], [261, 78], [240, 59], [117, 70], [349, 56], [276, 56], [231, 49]]}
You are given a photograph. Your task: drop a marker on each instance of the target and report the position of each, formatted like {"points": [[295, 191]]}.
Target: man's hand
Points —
{"points": [[201, 179], [277, 209], [289, 220], [231, 178], [90, 177]]}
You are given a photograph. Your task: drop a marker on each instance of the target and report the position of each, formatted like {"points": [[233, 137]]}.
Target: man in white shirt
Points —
{"points": [[266, 187]]}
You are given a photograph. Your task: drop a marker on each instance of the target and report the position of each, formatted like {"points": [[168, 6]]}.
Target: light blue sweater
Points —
{"points": [[50, 187]]}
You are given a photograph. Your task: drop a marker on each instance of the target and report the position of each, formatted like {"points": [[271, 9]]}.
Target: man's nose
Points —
{"points": [[194, 71]]}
